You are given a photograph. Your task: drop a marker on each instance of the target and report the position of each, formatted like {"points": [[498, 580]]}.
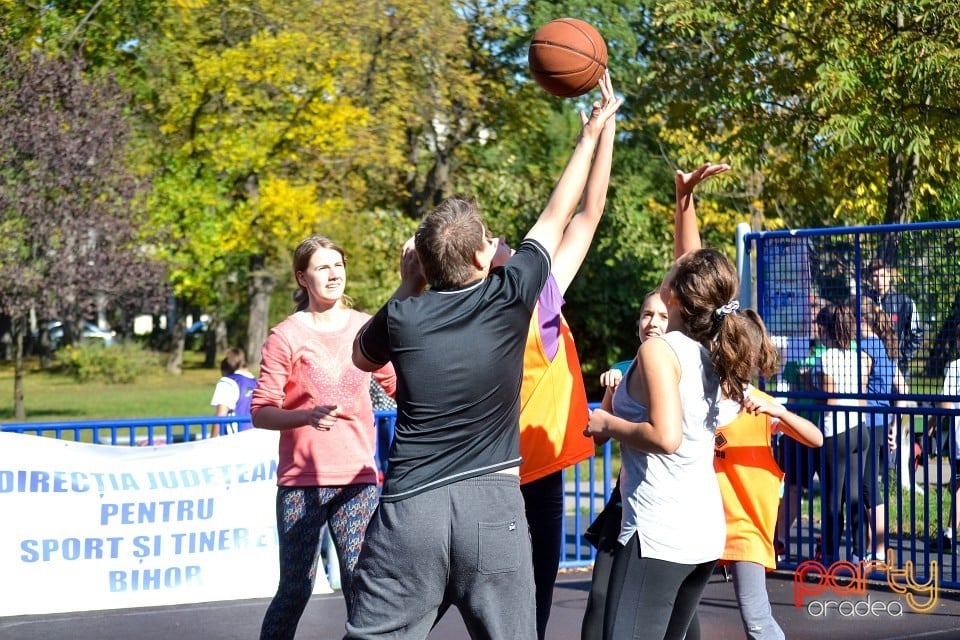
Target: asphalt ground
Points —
{"points": [[878, 614]]}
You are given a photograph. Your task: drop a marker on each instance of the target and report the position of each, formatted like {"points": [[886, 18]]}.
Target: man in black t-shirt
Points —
{"points": [[450, 529]]}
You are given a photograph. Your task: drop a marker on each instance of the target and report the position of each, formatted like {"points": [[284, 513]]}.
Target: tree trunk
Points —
{"points": [[262, 284], [18, 326], [177, 340], [901, 181], [210, 343]]}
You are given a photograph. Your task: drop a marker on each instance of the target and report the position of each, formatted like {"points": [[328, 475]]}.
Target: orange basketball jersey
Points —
{"points": [[750, 482], [553, 406]]}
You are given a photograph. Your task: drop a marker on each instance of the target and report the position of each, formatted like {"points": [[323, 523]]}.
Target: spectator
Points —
{"points": [[951, 389], [840, 370], [233, 392], [901, 309], [878, 338], [310, 391]]}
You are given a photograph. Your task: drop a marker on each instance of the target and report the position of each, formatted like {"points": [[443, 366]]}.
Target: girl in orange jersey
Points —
{"points": [[750, 485]]}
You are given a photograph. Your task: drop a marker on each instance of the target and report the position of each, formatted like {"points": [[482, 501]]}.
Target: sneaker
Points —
{"points": [[856, 559], [942, 543]]}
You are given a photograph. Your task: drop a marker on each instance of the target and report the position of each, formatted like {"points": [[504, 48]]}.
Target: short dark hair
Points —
{"points": [[234, 359], [447, 240]]}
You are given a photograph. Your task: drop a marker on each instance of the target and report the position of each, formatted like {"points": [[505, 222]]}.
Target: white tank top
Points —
{"points": [[672, 502]]}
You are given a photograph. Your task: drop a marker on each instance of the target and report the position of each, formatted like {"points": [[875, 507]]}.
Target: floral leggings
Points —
{"points": [[301, 512]]}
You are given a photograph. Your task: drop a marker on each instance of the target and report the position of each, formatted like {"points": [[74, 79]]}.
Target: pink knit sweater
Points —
{"points": [[301, 367]]}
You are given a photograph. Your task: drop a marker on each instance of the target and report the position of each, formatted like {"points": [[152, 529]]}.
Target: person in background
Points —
{"points": [[901, 309], [233, 392], [878, 338], [310, 391], [451, 528], [553, 400], [945, 542], [841, 369]]}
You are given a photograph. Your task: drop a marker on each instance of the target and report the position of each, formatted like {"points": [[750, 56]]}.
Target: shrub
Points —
{"points": [[116, 364]]}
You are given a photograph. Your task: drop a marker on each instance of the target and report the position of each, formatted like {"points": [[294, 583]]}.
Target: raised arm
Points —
{"points": [[412, 283], [579, 233], [686, 233], [790, 424], [548, 230]]}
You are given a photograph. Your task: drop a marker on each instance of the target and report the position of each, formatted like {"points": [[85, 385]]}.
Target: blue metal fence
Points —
{"points": [[587, 487], [790, 276]]}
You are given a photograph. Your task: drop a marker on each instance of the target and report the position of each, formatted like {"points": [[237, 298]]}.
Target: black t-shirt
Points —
{"points": [[458, 355]]}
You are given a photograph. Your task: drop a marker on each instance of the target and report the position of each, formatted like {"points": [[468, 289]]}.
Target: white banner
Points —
{"points": [[88, 526]]}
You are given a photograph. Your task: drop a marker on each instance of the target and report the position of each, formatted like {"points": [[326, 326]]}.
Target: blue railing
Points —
{"points": [[587, 488], [911, 517]]}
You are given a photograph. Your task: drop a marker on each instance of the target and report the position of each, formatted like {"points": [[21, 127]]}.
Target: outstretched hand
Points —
{"points": [[686, 182], [603, 109]]}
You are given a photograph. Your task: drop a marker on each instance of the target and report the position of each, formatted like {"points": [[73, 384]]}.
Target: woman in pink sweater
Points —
{"points": [[310, 391]]}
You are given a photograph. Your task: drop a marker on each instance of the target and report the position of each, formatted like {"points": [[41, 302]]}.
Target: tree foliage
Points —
{"points": [[848, 108], [69, 211]]}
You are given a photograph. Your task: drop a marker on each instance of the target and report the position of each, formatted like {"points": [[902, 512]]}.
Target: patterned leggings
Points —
{"points": [[301, 511]]}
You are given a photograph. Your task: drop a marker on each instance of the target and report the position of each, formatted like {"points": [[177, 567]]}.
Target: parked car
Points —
{"points": [[88, 332]]}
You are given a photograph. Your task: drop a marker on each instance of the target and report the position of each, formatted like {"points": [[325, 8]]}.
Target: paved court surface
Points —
{"points": [[324, 617]]}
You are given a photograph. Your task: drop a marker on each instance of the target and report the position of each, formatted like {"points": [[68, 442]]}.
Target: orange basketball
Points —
{"points": [[567, 57]]}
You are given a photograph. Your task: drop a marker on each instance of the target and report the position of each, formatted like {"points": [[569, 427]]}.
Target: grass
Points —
{"points": [[51, 396], [905, 514]]}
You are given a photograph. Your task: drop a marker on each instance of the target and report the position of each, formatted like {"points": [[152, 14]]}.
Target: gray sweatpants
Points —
{"points": [[465, 544]]}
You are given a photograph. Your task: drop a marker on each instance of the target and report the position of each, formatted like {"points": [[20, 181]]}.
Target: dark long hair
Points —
{"points": [[704, 283]]}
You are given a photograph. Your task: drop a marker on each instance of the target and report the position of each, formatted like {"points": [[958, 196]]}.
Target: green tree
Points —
{"points": [[847, 108], [256, 144]]}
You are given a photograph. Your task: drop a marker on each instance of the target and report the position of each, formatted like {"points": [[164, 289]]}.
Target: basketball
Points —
{"points": [[567, 57]]}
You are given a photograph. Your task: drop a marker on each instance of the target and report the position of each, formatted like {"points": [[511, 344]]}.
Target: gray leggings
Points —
{"points": [[651, 599], [750, 585]]}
